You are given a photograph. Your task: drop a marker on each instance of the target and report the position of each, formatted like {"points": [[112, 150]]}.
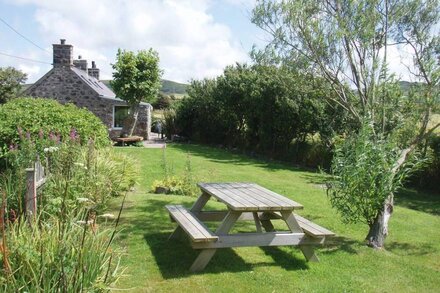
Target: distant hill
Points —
{"points": [[169, 87]]}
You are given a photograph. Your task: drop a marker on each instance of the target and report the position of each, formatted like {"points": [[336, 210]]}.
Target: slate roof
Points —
{"points": [[99, 87]]}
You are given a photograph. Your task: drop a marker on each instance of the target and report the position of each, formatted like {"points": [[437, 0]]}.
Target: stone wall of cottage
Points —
{"points": [[63, 85]]}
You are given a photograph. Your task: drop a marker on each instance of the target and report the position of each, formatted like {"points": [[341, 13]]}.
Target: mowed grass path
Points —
{"points": [[410, 263]]}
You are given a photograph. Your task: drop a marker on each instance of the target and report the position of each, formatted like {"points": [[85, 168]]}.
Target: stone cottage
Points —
{"points": [[72, 81]]}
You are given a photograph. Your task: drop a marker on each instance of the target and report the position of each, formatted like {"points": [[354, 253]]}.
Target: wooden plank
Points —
{"points": [[228, 223], [284, 199], [202, 260], [260, 239], [31, 194], [193, 227], [291, 221], [257, 222], [248, 196], [232, 202], [201, 202], [275, 202], [194, 221], [312, 228], [218, 216], [261, 202]]}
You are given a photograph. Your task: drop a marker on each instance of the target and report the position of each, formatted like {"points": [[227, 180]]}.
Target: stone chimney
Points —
{"points": [[94, 72], [62, 54], [80, 63]]}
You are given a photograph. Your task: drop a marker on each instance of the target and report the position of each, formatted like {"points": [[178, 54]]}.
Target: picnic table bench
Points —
{"points": [[248, 202]]}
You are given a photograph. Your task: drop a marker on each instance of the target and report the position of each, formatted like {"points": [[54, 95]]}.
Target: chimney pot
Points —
{"points": [[93, 64], [79, 57], [63, 41]]}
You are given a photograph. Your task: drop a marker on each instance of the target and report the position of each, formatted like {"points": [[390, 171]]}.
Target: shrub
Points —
{"points": [[44, 116], [185, 184], [163, 102], [80, 171]]}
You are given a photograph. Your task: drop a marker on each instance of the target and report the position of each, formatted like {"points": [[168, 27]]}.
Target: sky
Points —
{"points": [[194, 38]]}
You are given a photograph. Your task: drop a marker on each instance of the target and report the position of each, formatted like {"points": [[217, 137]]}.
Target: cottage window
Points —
{"points": [[119, 115]]}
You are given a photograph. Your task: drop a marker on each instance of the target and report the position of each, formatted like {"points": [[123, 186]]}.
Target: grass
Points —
{"points": [[410, 263]]}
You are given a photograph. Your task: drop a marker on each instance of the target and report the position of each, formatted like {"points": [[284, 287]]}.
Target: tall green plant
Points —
{"points": [[136, 79]]}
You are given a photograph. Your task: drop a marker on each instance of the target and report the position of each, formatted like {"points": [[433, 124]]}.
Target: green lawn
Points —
{"points": [[410, 263]]}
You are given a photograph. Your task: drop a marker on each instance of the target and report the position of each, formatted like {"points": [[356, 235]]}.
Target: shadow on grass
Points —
{"points": [[340, 243], [174, 258], [419, 201], [410, 249], [227, 157]]}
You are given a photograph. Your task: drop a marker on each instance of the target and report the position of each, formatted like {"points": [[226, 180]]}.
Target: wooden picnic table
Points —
{"points": [[244, 201]]}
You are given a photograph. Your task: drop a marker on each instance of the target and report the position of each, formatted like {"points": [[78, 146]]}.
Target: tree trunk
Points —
{"points": [[379, 228], [131, 121]]}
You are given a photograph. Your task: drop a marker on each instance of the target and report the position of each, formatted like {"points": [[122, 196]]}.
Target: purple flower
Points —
{"points": [[73, 134], [52, 136], [13, 147], [28, 135]]}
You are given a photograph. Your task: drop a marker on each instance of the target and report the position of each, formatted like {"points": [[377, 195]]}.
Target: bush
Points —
{"points": [[80, 171], [34, 117], [163, 102]]}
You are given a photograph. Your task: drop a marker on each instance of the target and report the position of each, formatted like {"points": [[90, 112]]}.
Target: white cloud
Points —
{"points": [[191, 44]]}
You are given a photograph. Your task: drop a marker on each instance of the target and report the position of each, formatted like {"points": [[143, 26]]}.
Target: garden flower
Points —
{"points": [[83, 199], [50, 149], [107, 216]]}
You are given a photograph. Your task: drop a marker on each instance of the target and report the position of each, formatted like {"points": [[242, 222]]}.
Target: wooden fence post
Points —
{"points": [[31, 192]]}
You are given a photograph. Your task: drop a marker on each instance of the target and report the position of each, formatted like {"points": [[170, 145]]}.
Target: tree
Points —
{"points": [[136, 79], [348, 44], [10, 83]]}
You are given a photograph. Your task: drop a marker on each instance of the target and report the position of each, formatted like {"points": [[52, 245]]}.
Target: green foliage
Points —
{"points": [[185, 184], [59, 256], [81, 171], [11, 80], [137, 76], [162, 102], [361, 176], [44, 116], [260, 108], [169, 125]]}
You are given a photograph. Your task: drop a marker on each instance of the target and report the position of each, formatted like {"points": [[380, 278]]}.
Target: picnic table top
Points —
{"points": [[248, 197]]}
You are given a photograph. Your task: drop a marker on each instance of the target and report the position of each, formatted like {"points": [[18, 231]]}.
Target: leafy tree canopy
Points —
{"points": [[10, 83]]}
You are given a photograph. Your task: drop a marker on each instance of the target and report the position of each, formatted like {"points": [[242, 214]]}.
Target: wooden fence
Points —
{"points": [[35, 178]]}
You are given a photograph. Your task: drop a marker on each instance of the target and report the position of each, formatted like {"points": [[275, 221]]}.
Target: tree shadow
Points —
{"points": [[222, 156], [410, 249], [341, 243], [419, 201]]}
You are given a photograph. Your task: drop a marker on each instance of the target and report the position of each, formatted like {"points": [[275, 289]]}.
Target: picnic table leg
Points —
{"points": [[201, 202], [206, 254], [257, 222], [267, 224], [178, 233], [307, 250]]}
